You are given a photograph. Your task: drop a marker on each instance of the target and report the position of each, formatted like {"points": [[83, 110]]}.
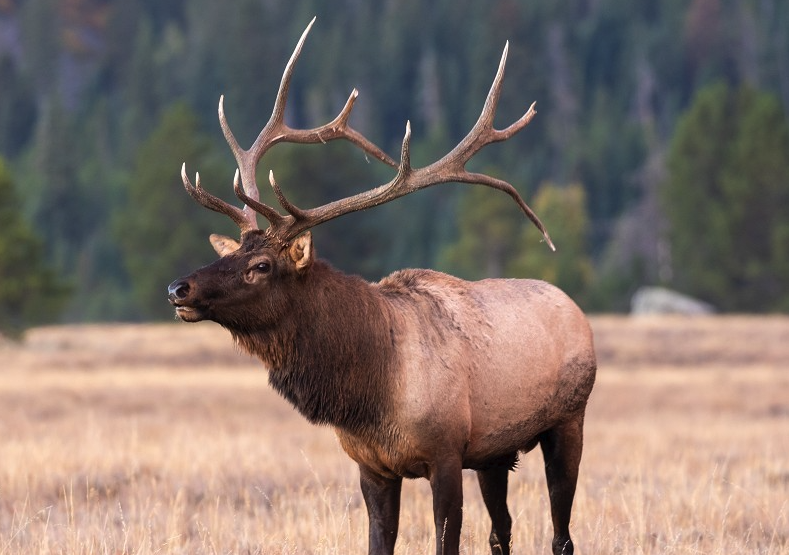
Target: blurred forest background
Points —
{"points": [[659, 154]]}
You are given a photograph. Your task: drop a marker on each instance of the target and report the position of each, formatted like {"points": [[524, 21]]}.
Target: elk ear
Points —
{"points": [[301, 252], [223, 245]]}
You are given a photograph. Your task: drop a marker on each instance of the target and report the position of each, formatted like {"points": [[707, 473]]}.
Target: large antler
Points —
{"points": [[450, 168]]}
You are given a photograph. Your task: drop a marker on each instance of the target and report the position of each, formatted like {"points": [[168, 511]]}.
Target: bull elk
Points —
{"points": [[421, 374]]}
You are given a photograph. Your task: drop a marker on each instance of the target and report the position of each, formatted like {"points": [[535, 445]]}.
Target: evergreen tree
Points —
{"points": [[563, 211], [138, 92], [40, 25], [607, 155], [488, 235], [30, 291], [65, 207], [727, 200], [99, 275], [162, 232], [17, 109], [496, 240]]}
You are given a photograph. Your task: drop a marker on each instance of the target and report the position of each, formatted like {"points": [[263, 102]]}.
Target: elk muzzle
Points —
{"points": [[181, 296]]}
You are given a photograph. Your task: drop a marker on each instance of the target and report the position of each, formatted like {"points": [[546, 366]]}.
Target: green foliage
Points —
{"points": [[53, 190], [607, 154], [563, 211], [82, 89], [30, 292], [162, 232], [489, 225], [727, 200], [496, 240], [39, 25], [17, 109]]}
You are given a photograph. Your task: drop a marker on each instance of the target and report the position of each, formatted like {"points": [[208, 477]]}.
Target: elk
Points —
{"points": [[420, 374]]}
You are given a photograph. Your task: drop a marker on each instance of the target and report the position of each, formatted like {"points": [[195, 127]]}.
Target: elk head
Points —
{"points": [[266, 261]]}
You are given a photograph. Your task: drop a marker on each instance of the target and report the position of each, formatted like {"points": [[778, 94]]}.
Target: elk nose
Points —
{"points": [[178, 290]]}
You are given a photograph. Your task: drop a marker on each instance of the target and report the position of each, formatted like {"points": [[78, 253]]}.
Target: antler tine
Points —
{"points": [[245, 220], [483, 132], [276, 123], [339, 128], [293, 210], [253, 205], [492, 100]]}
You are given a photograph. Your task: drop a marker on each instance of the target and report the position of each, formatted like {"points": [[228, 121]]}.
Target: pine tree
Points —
{"points": [[63, 205], [162, 232], [489, 232], [30, 292], [563, 211], [727, 200], [17, 109]]}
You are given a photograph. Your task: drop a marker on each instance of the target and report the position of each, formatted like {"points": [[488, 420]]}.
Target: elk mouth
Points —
{"points": [[187, 313]]}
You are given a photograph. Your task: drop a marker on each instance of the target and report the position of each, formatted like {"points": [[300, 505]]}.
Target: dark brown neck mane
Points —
{"points": [[331, 353]]}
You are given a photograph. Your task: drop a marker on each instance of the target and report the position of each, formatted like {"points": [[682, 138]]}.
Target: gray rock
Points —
{"points": [[659, 300]]}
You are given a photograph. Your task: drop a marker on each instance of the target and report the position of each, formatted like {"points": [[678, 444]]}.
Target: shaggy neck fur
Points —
{"points": [[331, 355]]}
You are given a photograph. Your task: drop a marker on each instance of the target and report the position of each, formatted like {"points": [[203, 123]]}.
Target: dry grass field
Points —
{"points": [[163, 439]]}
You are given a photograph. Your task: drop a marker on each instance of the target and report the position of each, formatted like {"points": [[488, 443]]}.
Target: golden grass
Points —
{"points": [[162, 439]]}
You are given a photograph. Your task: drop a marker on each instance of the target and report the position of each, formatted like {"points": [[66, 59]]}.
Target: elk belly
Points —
{"points": [[391, 461]]}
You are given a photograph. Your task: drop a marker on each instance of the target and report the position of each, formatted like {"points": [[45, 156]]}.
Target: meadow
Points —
{"points": [[163, 439]]}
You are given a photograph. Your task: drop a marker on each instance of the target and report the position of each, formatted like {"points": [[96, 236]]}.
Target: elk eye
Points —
{"points": [[263, 267]]}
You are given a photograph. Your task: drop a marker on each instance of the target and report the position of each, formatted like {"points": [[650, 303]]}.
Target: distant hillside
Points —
{"points": [[86, 83]]}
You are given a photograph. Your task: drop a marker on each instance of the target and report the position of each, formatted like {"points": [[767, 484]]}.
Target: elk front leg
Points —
{"points": [[446, 482], [382, 497]]}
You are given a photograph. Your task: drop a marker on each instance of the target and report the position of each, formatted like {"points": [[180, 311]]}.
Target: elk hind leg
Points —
{"points": [[493, 485], [561, 448]]}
